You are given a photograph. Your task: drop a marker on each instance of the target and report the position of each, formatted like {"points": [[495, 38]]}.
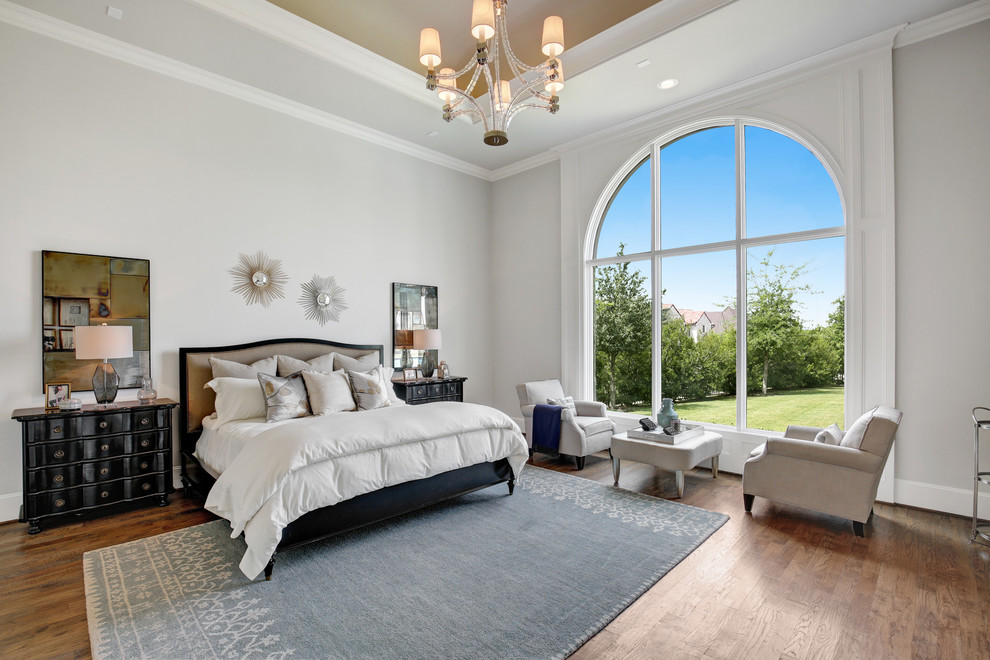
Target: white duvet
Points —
{"points": [[289, 468]]}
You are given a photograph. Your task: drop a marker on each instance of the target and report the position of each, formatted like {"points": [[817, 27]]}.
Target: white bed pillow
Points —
{"points": [[237, 398], [369, 389], [329, 392], [365, 363], [393, 399], [231, 369], [289, 365]]}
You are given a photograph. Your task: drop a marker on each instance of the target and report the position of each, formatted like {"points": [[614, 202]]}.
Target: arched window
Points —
{"points": [[719, 281]]}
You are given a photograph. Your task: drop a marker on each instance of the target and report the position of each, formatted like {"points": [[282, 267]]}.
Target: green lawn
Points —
{"points": [[815, 406]]}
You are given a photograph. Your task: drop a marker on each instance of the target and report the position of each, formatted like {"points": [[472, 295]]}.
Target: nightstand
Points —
{"points": [[89, 459], [429, 390]]}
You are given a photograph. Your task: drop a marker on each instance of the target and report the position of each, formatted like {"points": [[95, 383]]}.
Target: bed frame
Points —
{"points": [[197, 403]]}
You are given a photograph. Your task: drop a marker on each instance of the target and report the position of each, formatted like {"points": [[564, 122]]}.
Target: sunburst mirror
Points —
{"points": [[322, 299], [259, 278]]}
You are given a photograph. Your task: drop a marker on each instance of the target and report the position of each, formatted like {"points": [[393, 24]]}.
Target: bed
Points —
{"points": [[420, 455]]}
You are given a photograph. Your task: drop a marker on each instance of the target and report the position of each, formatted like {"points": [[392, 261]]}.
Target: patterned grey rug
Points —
{"points": [[534, 575]]}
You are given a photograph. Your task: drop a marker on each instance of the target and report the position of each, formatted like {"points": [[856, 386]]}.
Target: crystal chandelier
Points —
{"points": [[532, 87]]}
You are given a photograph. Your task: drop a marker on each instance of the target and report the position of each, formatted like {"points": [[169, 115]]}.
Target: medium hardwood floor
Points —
{"points": [[780, 583]]}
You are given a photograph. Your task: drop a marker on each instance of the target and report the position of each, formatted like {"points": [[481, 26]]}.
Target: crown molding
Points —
{"points": [[954, 19], [277, 23], [523, 165], [49, 26]]}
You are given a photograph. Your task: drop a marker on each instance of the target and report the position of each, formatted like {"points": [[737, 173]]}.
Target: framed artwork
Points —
{"points": [[56, 393], [89, 289], [408, 374]]}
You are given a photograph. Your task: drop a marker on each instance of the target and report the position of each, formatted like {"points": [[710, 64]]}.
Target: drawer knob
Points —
{"points": [[144, 465], [104, 447], [57, 429], [59, 478], [105, 471], [146, 486], [59, 502], [105, 494], [145, 443], [145, 421], [59, 453], [103, 424]]}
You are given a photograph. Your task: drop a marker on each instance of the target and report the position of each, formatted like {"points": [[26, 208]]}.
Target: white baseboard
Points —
{"points": [[940, 498], [10, 506]]}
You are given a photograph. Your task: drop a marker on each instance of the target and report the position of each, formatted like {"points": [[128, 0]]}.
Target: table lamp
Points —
{"points": [[102, 342], [427, 340]]}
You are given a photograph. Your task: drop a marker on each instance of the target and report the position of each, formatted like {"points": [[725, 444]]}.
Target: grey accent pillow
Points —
{"points": [[285, 398], [329, 393], [831, 435], [231, 369], [368, 389], [364, 363], [565, 402], [290, 365], [854, 436]]}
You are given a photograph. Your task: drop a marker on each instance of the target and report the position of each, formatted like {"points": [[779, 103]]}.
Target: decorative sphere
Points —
{"points": [[323, 299], [260, 278]]}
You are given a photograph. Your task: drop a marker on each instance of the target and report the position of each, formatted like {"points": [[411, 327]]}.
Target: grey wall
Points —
{"points": [[526, 282], [102, 157], [942, 145]]}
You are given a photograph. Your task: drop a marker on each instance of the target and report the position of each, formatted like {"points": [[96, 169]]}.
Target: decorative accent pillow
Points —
{"points": [[854, 436], [565, 402], [369, 389], [285, 398], [329, 393], [290, 365], [237, 398], [831, 435], [364, 363], [231, 369]]}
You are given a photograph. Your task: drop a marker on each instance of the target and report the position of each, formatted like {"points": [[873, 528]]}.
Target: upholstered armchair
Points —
{"points": [[804, 469], [585, 430]]}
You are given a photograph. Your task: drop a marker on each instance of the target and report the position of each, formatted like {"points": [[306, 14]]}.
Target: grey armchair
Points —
{"points": [[841, 480], [586, 432]]}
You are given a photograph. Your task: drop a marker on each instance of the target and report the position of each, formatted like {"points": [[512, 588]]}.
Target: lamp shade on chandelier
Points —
{"points": [[513, 86]]}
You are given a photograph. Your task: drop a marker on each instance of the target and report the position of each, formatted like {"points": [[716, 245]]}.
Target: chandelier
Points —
{"points": [[525, 87]]}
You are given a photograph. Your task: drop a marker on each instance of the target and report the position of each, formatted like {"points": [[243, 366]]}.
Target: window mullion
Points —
{"points": [[742, 312], [657, 365]]}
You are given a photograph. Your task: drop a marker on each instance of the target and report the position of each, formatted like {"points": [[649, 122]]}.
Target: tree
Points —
{"points": [[623, 330], [772, 323]]}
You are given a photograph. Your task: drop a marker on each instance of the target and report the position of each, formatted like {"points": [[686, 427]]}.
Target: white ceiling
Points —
{"points": [[373, 86], [705, 44]]}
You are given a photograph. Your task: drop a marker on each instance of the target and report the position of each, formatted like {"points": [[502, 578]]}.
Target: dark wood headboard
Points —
{"points": [[195, 372]]}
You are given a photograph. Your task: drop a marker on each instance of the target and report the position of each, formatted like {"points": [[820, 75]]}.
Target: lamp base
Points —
{"points": [[428, 364], [105, 382]]}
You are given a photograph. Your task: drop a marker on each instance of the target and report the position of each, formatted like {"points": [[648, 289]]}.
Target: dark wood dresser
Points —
{"points": [[430, 390], [82, 461]]}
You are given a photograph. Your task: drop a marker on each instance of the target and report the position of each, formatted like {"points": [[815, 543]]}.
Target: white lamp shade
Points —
{"points": [[483, 20], [446, 77], [554, 86], [429, 48], [553, 36], [426, 340], [505, 95], [99, 342]]}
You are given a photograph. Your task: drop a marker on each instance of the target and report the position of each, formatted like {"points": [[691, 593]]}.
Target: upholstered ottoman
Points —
{"points": [[679, 457]]}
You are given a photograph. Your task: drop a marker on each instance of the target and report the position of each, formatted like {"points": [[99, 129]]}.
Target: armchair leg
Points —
{"points": [[580, 462], [679, 480], [748, 502], [858, 529]]}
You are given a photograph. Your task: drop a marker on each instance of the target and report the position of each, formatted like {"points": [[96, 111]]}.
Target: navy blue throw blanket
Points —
{"points": [[546, 429]]}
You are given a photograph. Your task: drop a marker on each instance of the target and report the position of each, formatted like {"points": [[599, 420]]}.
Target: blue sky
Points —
{"points": [[787, 189]]}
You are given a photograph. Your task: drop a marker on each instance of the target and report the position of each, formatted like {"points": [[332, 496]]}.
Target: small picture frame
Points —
{"points": [[409, 374], [55, 393], [419, 374]]}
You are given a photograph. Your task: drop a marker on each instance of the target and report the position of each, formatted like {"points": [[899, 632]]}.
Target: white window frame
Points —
{"points": [[739, 244]]}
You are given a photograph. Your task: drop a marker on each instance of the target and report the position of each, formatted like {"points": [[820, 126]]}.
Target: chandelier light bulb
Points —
{"points": [[483, 20], [553, 36], [429, 48]]}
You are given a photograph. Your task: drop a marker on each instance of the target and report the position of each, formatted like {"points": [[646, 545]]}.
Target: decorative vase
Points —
{"points": [[666, 416], [147, 392]]}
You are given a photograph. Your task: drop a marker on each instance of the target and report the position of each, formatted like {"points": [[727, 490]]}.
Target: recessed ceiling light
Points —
{"points": [[642, 64], [668, 83]]}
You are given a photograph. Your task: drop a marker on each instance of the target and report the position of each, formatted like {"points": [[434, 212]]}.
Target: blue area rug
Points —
{"points": [[534, 575]]}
